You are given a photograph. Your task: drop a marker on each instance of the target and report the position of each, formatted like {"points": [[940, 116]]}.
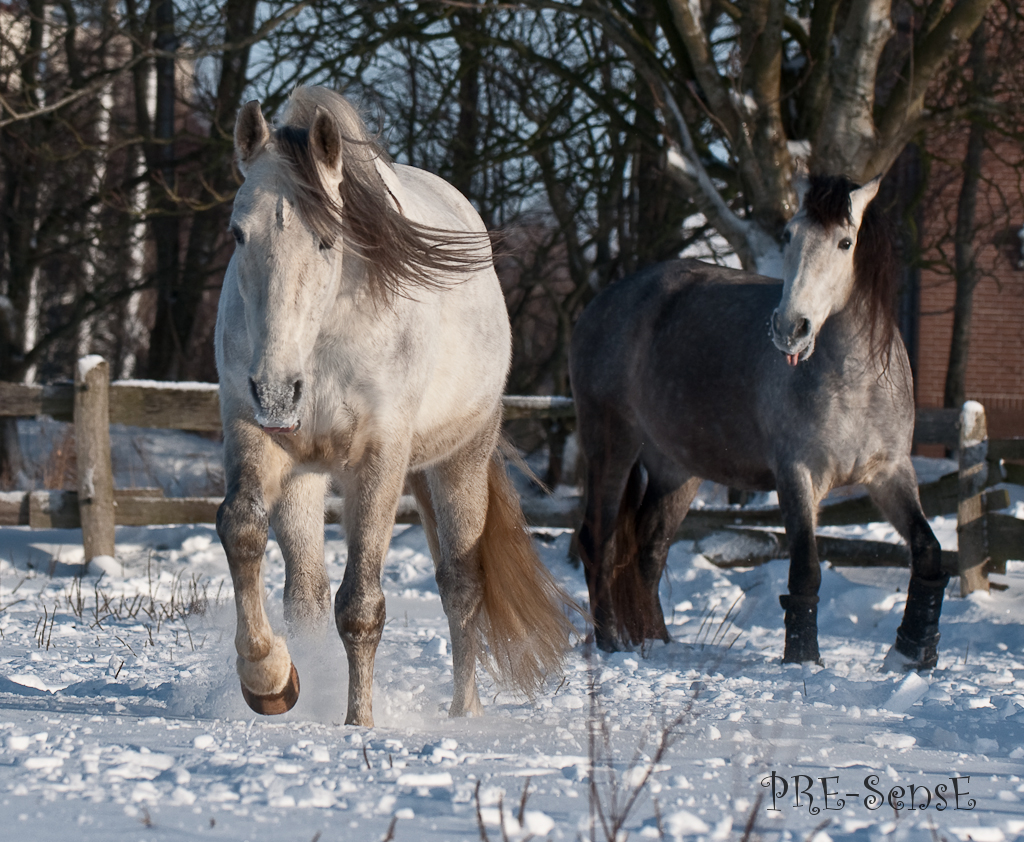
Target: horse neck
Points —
{"points": [[852, 332]]}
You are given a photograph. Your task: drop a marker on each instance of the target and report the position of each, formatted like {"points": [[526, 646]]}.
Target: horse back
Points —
{"points": [[678, 357], [678, 329], [675, 353]]}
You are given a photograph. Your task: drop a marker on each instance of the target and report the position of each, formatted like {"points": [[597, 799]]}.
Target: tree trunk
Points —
{"points": [[210, 224], [166, 345], [465, 142], [654, 235], [965, 264]]}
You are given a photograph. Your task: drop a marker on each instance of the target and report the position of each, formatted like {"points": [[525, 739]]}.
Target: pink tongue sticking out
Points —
{"points": [[792, 359], [294, 428]]}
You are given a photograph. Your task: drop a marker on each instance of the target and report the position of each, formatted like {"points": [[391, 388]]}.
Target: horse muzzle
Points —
{"points": [[794, 337], [277, 405]]}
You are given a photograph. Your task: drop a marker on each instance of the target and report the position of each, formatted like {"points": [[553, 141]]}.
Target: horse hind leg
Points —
{"points": [[298, 523], [457, 570], [504, 607], [917, 639], [662, 510], [606, 539], [254, 468], [799, 505]]}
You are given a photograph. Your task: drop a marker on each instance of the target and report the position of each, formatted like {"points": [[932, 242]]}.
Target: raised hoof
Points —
{"points": [[275, 703]]}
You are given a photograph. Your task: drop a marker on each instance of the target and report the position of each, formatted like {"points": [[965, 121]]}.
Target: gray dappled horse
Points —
{"points": [[362, 336], [688, 371]]}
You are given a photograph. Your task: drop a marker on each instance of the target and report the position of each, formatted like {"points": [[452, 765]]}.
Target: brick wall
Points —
{"points": [[995, 370]]}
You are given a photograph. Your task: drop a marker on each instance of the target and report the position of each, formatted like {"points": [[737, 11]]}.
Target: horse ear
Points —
{"points": [[251, 133], [325, 140], [862, 196]]}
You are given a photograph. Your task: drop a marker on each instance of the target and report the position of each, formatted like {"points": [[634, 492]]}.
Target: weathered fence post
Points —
{"points": [[972, 544], [92, 444]]}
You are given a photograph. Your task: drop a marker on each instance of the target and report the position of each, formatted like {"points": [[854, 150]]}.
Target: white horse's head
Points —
{"points": [[292, 235], [288, 257], [818, 262]]}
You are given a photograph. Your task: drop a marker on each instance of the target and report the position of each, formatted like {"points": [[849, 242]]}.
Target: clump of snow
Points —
{"points": [[87, 363]]}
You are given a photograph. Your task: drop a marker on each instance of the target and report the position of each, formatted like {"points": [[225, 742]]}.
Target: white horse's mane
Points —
{"points": [[400, 254]]}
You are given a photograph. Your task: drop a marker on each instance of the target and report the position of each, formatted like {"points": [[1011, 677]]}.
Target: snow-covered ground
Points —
{"points": [[121, 718]]}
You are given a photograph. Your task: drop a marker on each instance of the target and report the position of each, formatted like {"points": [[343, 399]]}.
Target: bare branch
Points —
{"points": [[901, 116]]}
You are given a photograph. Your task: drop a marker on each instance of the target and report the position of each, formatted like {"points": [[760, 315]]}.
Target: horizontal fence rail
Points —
{"points": [[988, 539]]}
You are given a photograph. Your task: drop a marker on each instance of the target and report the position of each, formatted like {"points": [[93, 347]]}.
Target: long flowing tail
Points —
{"points": [[523, 620]]}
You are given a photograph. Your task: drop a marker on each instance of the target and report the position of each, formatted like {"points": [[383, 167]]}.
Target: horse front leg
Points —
{"points": [[800, 505], [917, 639], [298, 522], [371, 493], [254, 468]]}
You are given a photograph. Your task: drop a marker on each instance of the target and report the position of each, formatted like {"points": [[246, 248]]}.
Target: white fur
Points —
{"points": [[386, 389]]}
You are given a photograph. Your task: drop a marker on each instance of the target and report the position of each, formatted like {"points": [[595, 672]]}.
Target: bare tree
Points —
{"points": [[745, 89]]}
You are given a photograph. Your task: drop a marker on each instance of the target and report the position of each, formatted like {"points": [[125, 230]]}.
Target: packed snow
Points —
{"points": [[121, 716]]}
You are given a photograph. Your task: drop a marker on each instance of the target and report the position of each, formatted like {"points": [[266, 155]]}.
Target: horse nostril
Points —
{"points": [[803, 329], [296, 392], [255, 394], [775, 322]]}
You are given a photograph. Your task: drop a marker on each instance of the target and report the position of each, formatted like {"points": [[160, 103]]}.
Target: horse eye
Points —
{"points": [[845, 243], [239, 236]]}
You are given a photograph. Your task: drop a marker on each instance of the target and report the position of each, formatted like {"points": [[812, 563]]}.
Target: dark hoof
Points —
{"points": [[914, 655], [276, 702], [802, 655], [801, 629], [917, 638], [609, 643]]}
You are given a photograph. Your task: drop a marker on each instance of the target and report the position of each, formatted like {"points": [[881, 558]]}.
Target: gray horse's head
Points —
{"points": [[288, 261], [818, 262]]}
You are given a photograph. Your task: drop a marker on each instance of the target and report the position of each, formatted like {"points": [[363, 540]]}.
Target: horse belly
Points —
{"points": [[717, 458], [708, 427]]}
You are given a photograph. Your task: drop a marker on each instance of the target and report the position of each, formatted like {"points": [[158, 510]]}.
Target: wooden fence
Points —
{"points": [[987, 539]]}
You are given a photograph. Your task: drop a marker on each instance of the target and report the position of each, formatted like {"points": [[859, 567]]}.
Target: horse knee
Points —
{"points": [[926, 555], [307, 602], [359, 617], [243, 527]]}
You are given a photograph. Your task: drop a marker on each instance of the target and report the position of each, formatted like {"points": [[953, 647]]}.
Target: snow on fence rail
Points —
{"points": [[987, 539]]}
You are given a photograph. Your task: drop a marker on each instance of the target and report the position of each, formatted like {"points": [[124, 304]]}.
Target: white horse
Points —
{"points": [[362, 336]]}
